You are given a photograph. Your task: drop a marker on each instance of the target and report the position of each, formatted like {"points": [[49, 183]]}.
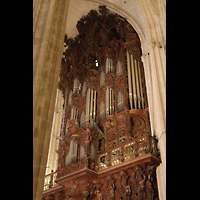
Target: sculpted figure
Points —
{"points": [[133, 184], [122, 187], [149, 189], [141, 188], [109, 188]]}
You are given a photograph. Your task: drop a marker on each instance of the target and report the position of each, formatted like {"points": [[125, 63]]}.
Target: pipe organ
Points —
{"points": [[106, 147]]}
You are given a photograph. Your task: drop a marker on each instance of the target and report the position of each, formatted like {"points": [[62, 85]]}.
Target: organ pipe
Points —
{"points": [[140, 79], [120, 102], [107, 101], [137, 84], [95, 97], [113, 108], [102, 111], [129, 80], [109, 65], [110, 98], [76, 117], [133, 82], [91, 102], [87, 104]]}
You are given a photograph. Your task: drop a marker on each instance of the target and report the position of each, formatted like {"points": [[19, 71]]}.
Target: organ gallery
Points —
{"points": [[106, 148]]}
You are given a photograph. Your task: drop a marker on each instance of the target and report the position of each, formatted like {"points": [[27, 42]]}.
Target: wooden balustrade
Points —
{"points": [[130, 150], [49, 180]]}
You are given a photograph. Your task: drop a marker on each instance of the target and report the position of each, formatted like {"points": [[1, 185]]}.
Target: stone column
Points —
{"points": [[158, 73], [154, 59], [49, 22]]}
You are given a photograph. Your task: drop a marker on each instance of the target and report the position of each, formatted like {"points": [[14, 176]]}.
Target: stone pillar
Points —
{"points": [[154, 59], [49, 22], [158, 73]]}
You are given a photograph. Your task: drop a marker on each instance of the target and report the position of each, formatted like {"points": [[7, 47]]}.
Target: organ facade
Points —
{"points": [[106, 148]]}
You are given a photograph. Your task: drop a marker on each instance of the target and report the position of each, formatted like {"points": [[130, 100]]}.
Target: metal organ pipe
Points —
{"points": [[110, 101], [137, 84], [141, 91], [129, 80], [87, 104], [91, 104], [134, 82], [107, 101], [95, 98]]}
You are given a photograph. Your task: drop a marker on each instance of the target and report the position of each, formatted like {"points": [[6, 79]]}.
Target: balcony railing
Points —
{"points": [[49, 181], [135, 148]]}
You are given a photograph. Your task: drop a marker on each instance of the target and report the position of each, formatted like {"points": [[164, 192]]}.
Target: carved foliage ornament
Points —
{"points": [[100, 35]]}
